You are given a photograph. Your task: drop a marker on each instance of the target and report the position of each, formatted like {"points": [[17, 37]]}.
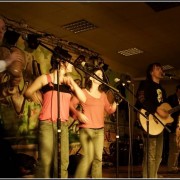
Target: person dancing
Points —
{"points": [[48, 85], [92, 125]]}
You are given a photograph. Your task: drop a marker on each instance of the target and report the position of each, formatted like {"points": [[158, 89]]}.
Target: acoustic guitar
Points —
{"points": [[155, 127]]}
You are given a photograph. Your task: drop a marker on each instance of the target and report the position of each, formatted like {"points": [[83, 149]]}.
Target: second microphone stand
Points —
{"points": [[117, 100], [58, 125]]}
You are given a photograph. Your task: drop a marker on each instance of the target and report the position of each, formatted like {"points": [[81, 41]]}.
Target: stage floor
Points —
{"points": [[129, 172], [134, 172]]}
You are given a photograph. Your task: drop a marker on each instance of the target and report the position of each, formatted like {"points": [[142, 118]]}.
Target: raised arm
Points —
{"points": [[77, 90]]}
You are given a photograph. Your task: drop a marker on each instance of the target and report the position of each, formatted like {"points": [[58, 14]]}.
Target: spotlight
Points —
{"points": [[32, 41], [125, 79], [58, 55], [80, 59], [61, 53], [98, 62], [10, 37]]}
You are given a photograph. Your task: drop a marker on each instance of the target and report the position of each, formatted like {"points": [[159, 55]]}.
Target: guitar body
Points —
{"points": [[155, 127]]}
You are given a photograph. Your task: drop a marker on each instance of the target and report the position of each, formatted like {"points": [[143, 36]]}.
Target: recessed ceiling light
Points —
{"points": [[131, 51], [79, 26], [167, 67]]}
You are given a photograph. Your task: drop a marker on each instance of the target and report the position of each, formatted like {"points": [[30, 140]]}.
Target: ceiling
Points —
{"points": [[120, 26]]}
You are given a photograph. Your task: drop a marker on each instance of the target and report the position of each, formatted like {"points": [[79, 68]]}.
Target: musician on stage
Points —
{"points": [[92, 125], [47, 84], [151, 95]]}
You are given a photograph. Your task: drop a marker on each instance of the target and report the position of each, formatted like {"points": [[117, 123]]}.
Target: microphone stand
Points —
{"points": [[58, 126], [117, 100], [117, 142], [100, 80], [58, 115], [147, 144]]}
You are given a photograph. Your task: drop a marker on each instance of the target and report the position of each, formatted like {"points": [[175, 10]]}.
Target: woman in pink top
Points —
{"points": [[47, 166], [92, 126]]}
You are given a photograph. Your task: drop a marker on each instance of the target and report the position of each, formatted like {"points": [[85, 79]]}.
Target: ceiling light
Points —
{"points": [[32, 41], [167, 67], [131, 51], [79, 26]]}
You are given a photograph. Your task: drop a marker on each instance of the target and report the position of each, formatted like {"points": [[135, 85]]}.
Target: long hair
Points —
{"points": [[88, 81], [150, 69], [54, 62]]}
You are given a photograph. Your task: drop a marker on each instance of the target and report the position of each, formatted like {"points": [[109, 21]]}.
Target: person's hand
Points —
{"points": [[69, 81], [82, 118], [162, 112]]}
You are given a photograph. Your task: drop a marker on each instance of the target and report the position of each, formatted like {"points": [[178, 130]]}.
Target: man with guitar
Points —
{"points": [[151, 97], [174, 101]]}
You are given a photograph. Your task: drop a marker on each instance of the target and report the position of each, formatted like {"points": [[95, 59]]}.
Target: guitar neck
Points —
{"points": [[175, 109]]}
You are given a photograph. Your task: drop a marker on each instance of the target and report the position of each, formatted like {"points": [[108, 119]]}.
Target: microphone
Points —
{"points": [[87, 65], [79, 60], [32, 39], [116, 80], [123, 82]]}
